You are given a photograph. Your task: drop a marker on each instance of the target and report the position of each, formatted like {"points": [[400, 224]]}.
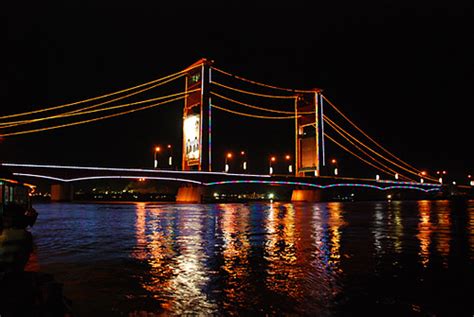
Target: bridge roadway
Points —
{"points": [[70, 174]]}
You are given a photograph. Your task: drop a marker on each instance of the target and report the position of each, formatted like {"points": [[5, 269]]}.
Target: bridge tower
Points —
{"points": [[196, 152], [309, 134]]}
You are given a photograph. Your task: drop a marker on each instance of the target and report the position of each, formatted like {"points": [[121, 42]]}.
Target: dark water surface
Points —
{"points": [[325, 259]]}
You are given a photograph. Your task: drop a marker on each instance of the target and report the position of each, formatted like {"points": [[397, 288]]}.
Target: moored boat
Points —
{"points": [[16, 210]]}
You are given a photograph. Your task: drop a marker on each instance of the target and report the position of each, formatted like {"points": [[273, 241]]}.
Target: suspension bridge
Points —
{"points": [[207, 88]]}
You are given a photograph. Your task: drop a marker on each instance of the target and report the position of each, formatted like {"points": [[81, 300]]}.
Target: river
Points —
{"points": [[387, 258]]}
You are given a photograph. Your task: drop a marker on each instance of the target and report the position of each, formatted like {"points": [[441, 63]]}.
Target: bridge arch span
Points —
{"points": [[78, 179]]}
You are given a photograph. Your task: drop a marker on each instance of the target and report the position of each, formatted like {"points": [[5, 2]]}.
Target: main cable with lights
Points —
{"points": [[364, 152], [98, 97], [87, 110], [367, 136], [261, 84], [91, 120]]}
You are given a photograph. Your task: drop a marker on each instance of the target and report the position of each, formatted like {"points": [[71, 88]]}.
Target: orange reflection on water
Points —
{"points": [[283, 272], [397, 225], [443, 230], [470, 211], [335, 222], [235, 222], [140, 226], [153, 249], [424, 231]]}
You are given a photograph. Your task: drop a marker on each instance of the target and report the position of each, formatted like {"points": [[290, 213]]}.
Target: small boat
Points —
{"points": [[16, 210]]}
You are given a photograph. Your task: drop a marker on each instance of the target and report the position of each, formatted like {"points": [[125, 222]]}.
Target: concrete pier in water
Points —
{"points": [[309, 195]]}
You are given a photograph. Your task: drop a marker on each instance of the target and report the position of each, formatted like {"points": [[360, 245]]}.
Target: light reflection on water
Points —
{"points": [[321, 259]]}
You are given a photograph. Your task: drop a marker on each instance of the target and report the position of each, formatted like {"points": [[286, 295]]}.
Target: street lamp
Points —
{"points": [[272, 160], [440, 174], [290, 167], [422, 174], [155, 152], [228, 156], [170, 158], [244, 163], [334, 162]]}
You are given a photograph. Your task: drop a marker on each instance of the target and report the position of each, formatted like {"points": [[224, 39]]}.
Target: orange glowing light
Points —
{"points": [[157, 149], [423, 173], [229, 155], [333, 161], [287, 157], [169, 146], [273, 159], [242, 152]]}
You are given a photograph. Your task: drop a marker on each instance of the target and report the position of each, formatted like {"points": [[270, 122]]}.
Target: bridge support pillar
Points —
{"points": [[309, 195], [62, 192], [190, 194]]}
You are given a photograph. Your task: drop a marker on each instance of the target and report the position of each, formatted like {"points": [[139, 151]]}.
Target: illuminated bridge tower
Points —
{"points": [[197, 118], [309, 143], [309, 134]]}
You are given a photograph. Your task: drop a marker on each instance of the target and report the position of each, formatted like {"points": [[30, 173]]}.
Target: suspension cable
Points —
{"points": [[261, 84], [357, 156], [250, 115], [98, 97], [92, 120], [334, 125], [255, 107], [357, 147], [84, 110], [367, 136], [253, 93]]}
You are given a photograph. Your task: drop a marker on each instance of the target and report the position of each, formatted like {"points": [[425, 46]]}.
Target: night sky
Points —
{"points": [[403, 73]]}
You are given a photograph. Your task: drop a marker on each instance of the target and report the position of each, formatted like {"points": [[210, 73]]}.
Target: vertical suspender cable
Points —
{"points": [[322, 130], [297, 165], [210, 123]]}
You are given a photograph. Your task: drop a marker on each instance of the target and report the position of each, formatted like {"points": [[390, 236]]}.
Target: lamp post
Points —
{"points": [[422, 174], [334, 162], [440, 174], [290, 167], [228, 156], [272, 160], [155, 152], [244, 161], [170, 157]]}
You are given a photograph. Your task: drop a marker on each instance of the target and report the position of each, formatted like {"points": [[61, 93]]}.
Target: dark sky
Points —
{"points": [[402, 72]]}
